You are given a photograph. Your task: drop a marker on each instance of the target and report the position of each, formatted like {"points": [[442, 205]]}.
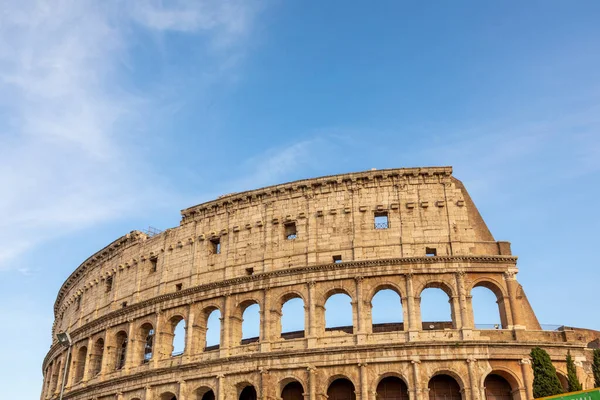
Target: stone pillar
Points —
{"points": [[108, 353], [467, 321], [182, 392], [364, 384], [148, 393], [512, 286], [190, 335], [119, 396], [88, 360], [360, 311], [527, 374], [130, 350], [312, 382], [157, 351], [416, 391], [225, 327], [413, 321], [266, 321], [473, 378], [312, 315], [221, 387], [264, 392]]}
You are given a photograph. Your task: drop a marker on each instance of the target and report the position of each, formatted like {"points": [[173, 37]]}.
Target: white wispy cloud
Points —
{"points": [[67, 158]]}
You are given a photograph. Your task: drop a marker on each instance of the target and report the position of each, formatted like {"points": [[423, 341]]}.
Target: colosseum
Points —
{"points": [[404, 230]]}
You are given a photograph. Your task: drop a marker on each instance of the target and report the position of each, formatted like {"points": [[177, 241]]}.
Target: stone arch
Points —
{"points": [[177, 326], [389, 374], [291, 389], [340, 387], [80, 363], [121, 344], [246, 391], [167, 396], [145, 343], [449, 291], [204, 393], [337, 327], [237, 323], [287, 299], [96, 357], [564, 382], [452, 373], [497, 387], [445, 385], [389, 324], [392, 387], [507, 374], [501, 299], [209, 313]]}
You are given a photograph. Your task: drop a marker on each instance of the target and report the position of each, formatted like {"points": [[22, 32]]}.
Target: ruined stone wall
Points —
{"points": [[308, 239]]}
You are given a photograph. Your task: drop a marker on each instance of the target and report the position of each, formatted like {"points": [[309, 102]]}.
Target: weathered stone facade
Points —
{"points": [[307, 239]]}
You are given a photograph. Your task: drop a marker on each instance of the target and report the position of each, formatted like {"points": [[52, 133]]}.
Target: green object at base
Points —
{"points": [[592, 394]]}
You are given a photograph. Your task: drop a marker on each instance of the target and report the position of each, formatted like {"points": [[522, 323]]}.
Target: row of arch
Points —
{"points": [[440, 387], [246, 325]]}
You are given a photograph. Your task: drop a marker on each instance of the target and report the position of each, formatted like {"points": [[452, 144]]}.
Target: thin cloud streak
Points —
{"points": [[68, 160]]}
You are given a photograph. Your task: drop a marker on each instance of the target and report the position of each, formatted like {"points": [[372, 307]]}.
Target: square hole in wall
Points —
{"points": [[109, 283], [179, 286], [124, 304], [153, 264], [381, 220], [250, 271], [337, 259], [215, 245], [430, 251], [290, 231]]}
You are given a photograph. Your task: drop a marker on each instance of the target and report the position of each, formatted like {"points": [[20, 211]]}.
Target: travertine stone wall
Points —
{"points": [[233, 252]]}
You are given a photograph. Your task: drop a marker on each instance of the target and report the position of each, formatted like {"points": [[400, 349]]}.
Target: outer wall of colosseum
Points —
{"points": [[400, 229]]}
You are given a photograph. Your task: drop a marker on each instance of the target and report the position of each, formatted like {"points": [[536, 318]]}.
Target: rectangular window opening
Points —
{"points": [[78, 303], [216, 246], [290, 231], [337, 259], [109, 283], [381, 220], [153, 264], [179, 286], [430, 251], [250, 271]]}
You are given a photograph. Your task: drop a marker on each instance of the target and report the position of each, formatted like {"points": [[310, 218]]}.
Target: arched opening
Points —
{"points": [[48, 378], [292, 318], [386, 311], [55, 375], [178, 330], [213, 330], [444, 387], [488, 307], [497, 388], [338, 313], [96, 357], [80, 363], [121, 347], [248, 393], [168, 396], [341, 389], [392, 388], [293, 391], [436, 309], [204, 393], [563, 381], [147, 337], [251, 324]]}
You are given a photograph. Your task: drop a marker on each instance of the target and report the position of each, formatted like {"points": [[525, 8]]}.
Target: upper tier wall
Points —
{"points": [[333, 216]]}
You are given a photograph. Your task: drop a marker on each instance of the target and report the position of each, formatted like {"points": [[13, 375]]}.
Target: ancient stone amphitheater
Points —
{"points": [[401, 229]]}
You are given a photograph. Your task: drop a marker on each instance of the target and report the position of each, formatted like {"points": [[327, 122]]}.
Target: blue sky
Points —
{"points": [[115, 115]]}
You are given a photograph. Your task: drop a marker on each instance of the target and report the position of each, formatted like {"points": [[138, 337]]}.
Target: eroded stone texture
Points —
{"points": [[308, 239]]}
